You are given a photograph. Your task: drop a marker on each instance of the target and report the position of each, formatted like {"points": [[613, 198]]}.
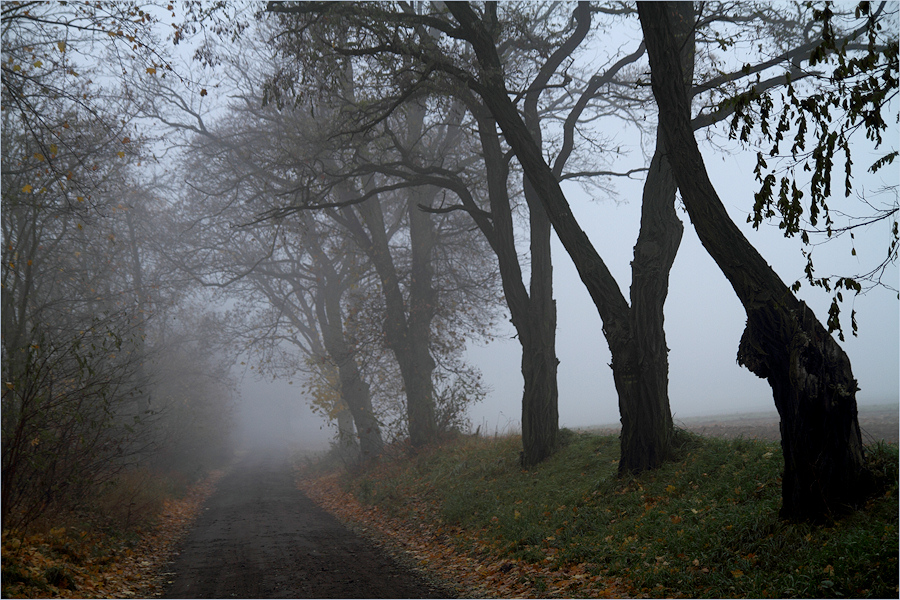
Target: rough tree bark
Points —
{"points": [[647, 428], [810, 375], [635, 336], [645, 413], [535, 327]]}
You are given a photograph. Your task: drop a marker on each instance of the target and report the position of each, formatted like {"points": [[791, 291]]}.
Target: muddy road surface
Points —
{"points": [[259, 536]]}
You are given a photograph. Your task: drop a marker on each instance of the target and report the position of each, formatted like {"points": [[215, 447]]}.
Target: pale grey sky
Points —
{"points": [[704, 319]]}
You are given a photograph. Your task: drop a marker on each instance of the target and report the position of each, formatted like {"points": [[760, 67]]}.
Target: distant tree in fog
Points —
{"points": [[253, 168]]}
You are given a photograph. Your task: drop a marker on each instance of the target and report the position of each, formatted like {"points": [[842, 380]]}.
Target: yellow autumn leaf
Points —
{"points": [[39, 156], [38, 64], [61, 46], [27, 188], [151, 71], [120, 154], [54, 149], [737, 573]]}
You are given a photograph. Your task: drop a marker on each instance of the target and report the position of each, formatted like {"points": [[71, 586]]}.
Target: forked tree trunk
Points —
{"points": [[636, 338], [534, 315], [646, 415], [407, 334], [813, 386], [641, 367], [354, 390]]}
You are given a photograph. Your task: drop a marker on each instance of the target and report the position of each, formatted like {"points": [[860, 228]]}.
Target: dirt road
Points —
{"points": [[261, 537]]}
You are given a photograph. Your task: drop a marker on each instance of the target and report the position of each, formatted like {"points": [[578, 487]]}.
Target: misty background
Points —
{"points": [[704, 322], [703, 317]]}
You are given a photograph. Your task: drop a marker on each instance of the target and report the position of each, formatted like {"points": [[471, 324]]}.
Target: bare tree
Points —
{"points": [[810, 375]]}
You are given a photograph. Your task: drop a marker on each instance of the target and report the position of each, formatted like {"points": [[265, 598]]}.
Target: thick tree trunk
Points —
{"points": [[815, 394], [641, 368], [540, 413], [636, 338], [647, 417], [533, 317], [810, 376]]}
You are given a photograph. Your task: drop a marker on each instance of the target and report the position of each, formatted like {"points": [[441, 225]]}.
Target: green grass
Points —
{"points": [[703, 525]]}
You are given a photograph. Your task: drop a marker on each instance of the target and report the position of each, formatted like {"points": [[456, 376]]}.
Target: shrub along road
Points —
{"points": [[259, 536]]}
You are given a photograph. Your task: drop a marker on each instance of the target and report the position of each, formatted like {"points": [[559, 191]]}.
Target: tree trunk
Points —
{"points": [[533, 317], [354, 390], [358, 397], [647, 428], [422, 305], [540, 410], [810, 376], [346, 437], [406, 331], [540, 413], [636, 338]]}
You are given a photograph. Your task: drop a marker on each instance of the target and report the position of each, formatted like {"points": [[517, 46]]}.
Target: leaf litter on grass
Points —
{"points": [[703, 525], [465, 559]]}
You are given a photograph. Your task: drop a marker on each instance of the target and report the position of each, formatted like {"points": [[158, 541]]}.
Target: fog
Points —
{"points": [[215, 218], [704, 319], [704, 322]]}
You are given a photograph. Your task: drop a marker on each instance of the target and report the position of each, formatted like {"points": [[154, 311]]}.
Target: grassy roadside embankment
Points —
{"points": [[704, 525]]}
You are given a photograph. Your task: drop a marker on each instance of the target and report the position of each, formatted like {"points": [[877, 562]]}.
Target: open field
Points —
{"points": [[877, 422]]}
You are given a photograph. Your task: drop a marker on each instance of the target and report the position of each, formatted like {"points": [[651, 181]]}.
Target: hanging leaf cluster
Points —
{"points": [[846, 88]]}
